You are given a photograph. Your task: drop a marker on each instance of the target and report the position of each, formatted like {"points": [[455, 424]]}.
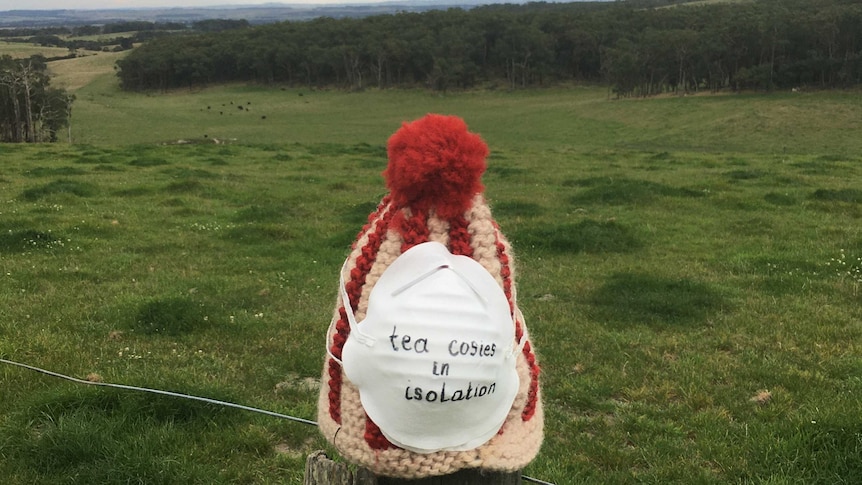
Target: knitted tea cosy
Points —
{"points": [[435, 195]]}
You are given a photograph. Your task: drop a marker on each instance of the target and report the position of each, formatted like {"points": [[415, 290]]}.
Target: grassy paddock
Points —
{"points": [[19, 50], [73, 74], [689, 268], [574, 118]]}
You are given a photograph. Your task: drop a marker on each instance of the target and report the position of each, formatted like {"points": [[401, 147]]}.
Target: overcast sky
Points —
{"points": [[90, 4]]}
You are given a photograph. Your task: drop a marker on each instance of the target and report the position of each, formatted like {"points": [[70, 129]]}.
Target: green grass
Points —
{"points": [[691, 285]]}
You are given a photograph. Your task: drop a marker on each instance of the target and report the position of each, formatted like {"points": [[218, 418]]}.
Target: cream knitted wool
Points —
{"points": [[428, 203]]}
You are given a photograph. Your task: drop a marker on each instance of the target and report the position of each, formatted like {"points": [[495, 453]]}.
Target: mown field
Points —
{"points": [[689, 268]]}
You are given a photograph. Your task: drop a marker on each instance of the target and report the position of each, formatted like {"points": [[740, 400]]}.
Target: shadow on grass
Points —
{"points": [[148, 162], [356, 215], [53, 172], [94, 160], [188, 186], [504, 171], [27, 239], [776, 198], [134, 192], [517, 208], [272, 212], [824, 165], [342, 149], [171, 316], [253, 234], [189, 173], [629, 298], [587, 236], [853, 196], [61, 186], [621, 191], [744, 174]]}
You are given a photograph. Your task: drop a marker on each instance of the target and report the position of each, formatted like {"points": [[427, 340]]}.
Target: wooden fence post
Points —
{"points": [[320, 470]]}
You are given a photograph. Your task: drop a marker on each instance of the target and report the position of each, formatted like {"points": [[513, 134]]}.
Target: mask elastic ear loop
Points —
{"points": [[328, 340], [364, 339], [519, 317]]}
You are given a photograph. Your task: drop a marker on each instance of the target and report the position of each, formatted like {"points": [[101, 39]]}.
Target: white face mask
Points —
{"points": [[434, 358]]}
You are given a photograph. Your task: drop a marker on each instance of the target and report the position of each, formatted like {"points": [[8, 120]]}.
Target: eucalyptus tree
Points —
{"points": [[30, 110]]}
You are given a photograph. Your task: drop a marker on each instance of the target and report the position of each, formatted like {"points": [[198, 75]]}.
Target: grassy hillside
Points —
{"points": [[19, 50], [690, 269], [74, 74]]}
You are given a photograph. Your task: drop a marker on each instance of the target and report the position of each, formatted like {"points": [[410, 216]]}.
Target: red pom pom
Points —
{"points": [[435, 164]]}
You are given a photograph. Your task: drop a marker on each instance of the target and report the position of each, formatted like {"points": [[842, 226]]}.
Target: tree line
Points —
{"points": [[30, 109], [634, 47]]}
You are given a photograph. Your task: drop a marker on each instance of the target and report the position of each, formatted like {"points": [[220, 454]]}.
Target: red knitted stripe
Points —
{"points": [[413, 229], [354, 292], [506, 275], [459, 237], [374, 438], [334, 390], [533, 390]]}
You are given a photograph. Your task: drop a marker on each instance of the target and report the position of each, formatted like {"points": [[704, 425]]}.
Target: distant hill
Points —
{"points": [[258, 14]]}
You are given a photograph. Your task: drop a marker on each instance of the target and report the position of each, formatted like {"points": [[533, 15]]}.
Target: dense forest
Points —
{"points": [[636, 49], [30, 109]]}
